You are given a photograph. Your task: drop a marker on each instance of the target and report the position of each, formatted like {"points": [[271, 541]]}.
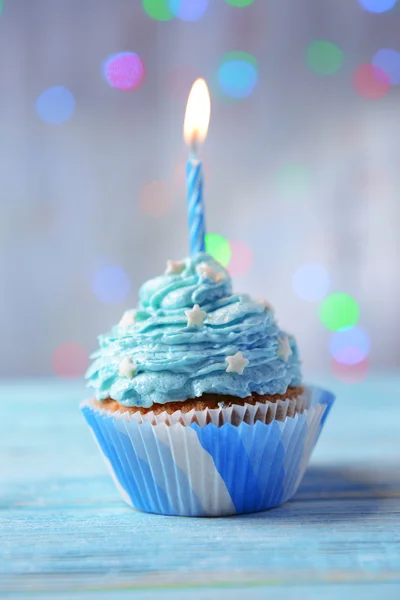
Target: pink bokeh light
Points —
{"points": [[124, 71], [70, 360], [156, 198], [371, 82], [241, 259], [351, 373]]}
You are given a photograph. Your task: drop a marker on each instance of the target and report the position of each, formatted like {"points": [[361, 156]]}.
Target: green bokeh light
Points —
{"points": [[159, 10], [324, 58], [239, 3], [218, 247], [339, 311], [292, 181]]}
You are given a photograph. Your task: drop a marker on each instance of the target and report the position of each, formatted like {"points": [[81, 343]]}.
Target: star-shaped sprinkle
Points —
{"points": [[284, 350], [264, 303], [207, 272], [127, 368], [236, 363], [195, 316], [174, 267], [128, 319]]}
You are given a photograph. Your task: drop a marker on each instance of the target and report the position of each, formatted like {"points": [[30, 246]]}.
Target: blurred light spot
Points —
{"points": [[188, 10], [160, 10], [239, 3], [293, 181], [349, 346], [237, 74], [377, 6], [55, 105], [338, 311], [371, 82], [241, 259], [324, 57], [124, 71], [218, 247], [156, 198], [111, 285], [350, 373], [311, 282], [180, 80], [389, 62], [70, 360]]}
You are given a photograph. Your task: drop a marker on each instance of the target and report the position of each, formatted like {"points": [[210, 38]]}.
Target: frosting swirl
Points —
{"points": [[168, 359]]}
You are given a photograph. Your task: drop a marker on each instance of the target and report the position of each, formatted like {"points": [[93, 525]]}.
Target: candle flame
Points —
{"points": [[197, 115]]}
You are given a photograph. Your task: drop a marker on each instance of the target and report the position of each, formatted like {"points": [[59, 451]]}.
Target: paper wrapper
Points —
{"points": [[210, 463]]}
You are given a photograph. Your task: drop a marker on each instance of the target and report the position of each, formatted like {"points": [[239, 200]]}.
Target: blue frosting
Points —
{"points": [[176, 362]]}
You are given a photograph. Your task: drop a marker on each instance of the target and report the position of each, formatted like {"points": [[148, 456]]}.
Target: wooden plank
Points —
{"points": [[64, 529]]}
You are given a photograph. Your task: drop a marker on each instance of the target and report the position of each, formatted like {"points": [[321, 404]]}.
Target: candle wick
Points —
{"points": [[194, 145]]}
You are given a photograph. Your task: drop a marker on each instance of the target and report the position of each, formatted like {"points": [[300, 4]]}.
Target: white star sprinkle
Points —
{"points": [[236, 363], [284, 350], [128, 319], [174, 267], [127, 368], [264, 303], [207, 272], [195, 316]]}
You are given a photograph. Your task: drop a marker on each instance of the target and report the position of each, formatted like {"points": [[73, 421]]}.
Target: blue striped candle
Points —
{"points": [[195, 128], [195, 181]]}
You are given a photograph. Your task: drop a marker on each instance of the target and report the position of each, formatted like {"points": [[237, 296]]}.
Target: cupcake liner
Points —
{"points": [[210, 463]]}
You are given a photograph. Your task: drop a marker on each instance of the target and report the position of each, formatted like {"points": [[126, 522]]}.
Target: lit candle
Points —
{"points": [[195, 128]]}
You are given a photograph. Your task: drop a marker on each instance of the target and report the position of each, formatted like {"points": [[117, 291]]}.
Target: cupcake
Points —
{"points": [[198, 404]]}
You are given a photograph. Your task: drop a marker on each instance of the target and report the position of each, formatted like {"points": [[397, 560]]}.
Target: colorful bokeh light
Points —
{"points": [[377, 6], [55, 105], [388, 61], [160, 10], [70, 360], [239, 3], [124, 71], [188, 10], [111, 285], [339, 311], [311, 282], [349, 346], [156, 198], [238, 74], [351, 373], [218, 247], [371, 82], [241, 259], [324, 57], [292, 181]]}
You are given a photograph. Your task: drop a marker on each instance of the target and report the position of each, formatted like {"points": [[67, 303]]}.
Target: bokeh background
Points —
{"points": [[301, 166]]}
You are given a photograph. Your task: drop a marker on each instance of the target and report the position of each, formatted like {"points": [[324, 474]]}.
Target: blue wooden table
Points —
{"points": [[65, 533]]}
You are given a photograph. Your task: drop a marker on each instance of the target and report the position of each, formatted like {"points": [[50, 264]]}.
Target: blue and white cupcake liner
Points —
{"points": [[210, 463]]}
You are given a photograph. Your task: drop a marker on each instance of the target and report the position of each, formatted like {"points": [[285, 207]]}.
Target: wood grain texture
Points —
{"points": [[66, 533]]}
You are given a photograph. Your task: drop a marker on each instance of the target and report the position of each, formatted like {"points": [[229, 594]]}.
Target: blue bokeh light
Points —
{"points": [[111, 285], [349, 346], [311, 282], [388, 61], [237, 77], [188, 10], [377, 6], [55, 105]]}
